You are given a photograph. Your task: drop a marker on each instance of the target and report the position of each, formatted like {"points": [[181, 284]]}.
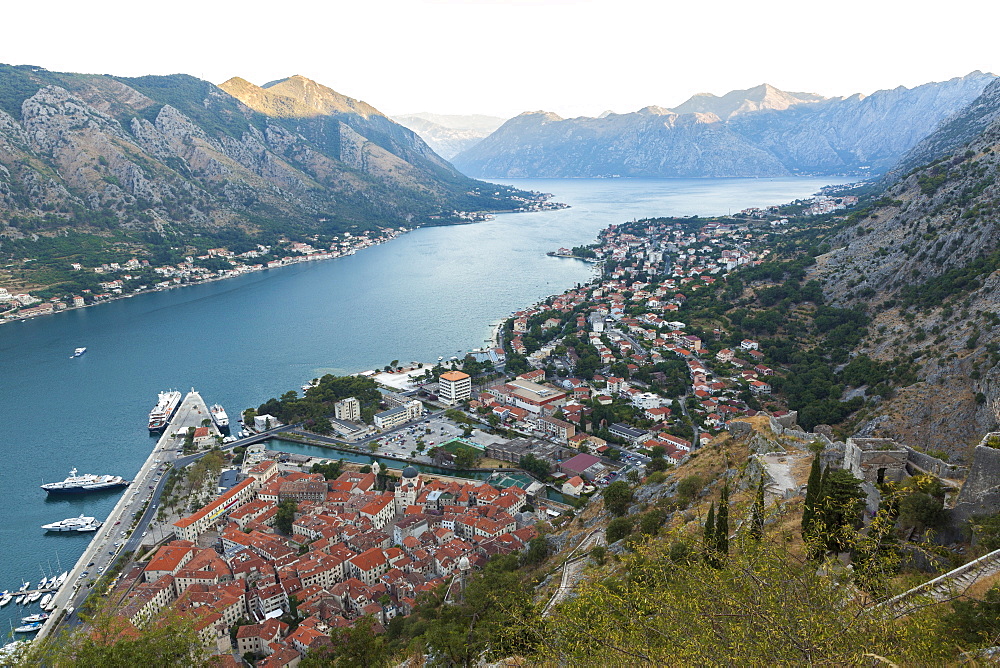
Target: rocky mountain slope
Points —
{"points": [[450, 134], [925, 263], [176, 153], [961, 128], [761, 131]]}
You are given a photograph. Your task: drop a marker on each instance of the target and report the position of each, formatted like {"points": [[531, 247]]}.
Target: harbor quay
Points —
{"points": [[116, 535]]}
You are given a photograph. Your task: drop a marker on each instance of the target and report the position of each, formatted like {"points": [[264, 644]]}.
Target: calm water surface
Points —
{"points": [[432, 292]]}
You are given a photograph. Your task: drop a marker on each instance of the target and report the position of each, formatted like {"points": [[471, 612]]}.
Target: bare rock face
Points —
{"points": [[153, 152], [757, 132]]}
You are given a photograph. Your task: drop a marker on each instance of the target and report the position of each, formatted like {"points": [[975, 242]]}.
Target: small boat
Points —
{"points": [[29, 628], [62, 578], [24, 586], [78, 352], [19, 600], [46, 600], [33, 596], [5, 599], [37, 617], [43, 583]]}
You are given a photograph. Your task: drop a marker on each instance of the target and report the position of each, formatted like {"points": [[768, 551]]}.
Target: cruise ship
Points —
{"points": [[219, 417], [80, 524], [88, 482], [164, 409]]}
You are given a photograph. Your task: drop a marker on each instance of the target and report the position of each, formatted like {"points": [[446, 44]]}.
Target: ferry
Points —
{"points": [[88, 482], [166, 406], [78, 352], [219, 417]]}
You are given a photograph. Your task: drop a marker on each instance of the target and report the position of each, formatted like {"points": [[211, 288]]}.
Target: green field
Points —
{"points": [[456, 445]]}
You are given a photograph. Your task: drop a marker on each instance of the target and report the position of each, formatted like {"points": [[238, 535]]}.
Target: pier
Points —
{"points": [[141, 496]]}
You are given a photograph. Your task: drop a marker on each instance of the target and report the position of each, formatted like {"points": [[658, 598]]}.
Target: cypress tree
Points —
{"points": [[722, 523], [812, 495], [839, 508], [757, 513], [710, 529]]}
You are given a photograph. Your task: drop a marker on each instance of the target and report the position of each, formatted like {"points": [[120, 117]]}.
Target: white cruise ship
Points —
{"points": [[166, 405], [80, 523]]}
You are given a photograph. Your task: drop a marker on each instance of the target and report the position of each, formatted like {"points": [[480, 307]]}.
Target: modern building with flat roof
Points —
{"points": [[399, 415], [348, 409], [454, 387]]}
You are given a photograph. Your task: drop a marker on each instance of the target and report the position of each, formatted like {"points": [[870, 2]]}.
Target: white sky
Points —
{"points": [[502, 57]]}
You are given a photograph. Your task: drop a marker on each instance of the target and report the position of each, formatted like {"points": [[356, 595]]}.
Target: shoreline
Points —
{"points": [[211, 279], [296, 260]]}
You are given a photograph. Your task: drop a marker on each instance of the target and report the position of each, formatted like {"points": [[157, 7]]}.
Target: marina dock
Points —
{"points": [[139, 497]]}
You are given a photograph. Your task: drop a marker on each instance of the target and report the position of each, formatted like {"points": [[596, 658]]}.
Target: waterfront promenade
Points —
{"points": [[116, 534]]}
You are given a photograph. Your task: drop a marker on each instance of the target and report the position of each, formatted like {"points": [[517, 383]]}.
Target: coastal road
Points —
{"points": [[173, 461]]}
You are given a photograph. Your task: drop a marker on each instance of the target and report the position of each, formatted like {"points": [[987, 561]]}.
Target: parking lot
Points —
{"points": [[431, 431], [631, 461]]}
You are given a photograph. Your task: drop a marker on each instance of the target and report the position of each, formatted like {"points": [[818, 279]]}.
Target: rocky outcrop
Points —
{"points": [[758, 132], [176, 152]]}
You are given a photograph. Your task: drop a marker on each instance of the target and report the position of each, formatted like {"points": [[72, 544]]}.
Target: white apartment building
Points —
{"points": [[455, 386]]}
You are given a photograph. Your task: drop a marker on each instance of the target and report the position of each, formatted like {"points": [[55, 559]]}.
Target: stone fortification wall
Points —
{"points": [[788, 420], [934, 465], [980, 494], [785, 426]]}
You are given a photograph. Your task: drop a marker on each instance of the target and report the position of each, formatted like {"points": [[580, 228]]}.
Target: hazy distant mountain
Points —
{"points": [[980, 118], [450, 134], [760, 131], [759, 98], [175, 154]]}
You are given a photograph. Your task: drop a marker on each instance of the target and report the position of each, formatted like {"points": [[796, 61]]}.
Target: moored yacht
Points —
{"points": [[88, 482], [219, 417], [81, 524]]}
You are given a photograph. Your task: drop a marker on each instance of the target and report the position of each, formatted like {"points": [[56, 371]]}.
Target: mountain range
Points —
{"points": [[178, 154], [761, 131], [450, 134]]}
